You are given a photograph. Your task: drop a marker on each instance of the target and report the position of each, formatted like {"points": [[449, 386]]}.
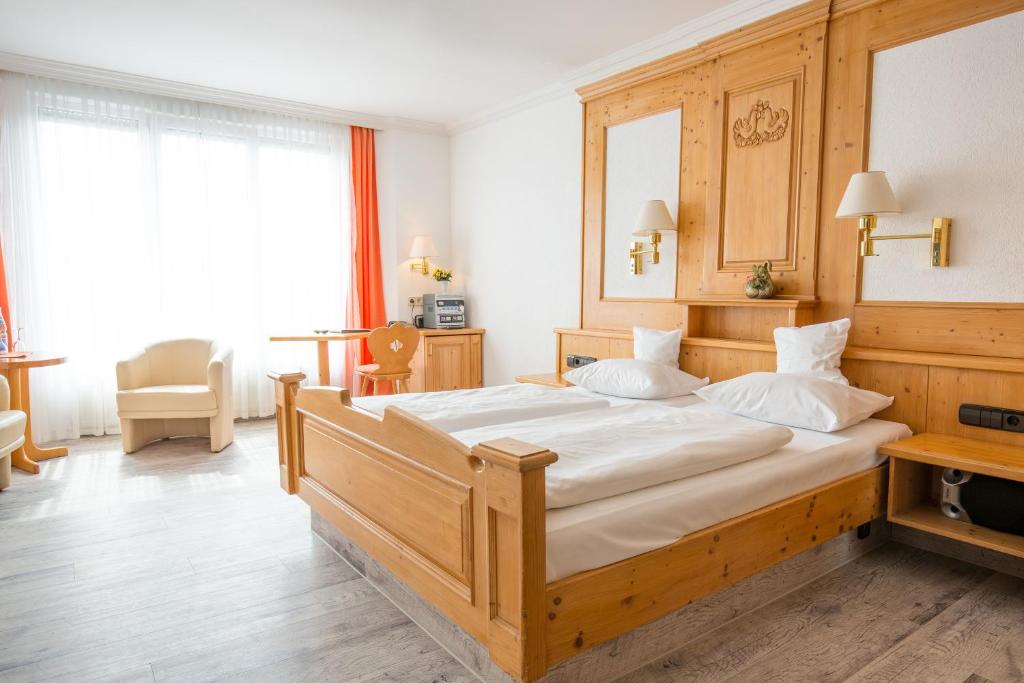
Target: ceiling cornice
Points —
{"points": [[733, 16], [157, 86]]}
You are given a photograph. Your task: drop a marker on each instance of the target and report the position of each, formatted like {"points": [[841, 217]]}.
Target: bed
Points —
{"points": [[465, 525]]}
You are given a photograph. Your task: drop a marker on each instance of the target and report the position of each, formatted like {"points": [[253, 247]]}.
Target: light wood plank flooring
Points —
{"points": [[177, 564]]}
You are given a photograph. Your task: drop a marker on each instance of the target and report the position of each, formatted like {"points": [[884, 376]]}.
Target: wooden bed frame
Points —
{"points": [[465, 529]]}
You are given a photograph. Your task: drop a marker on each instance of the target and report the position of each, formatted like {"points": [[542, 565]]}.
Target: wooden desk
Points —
{"points": [[323, 358], [16, 371]]}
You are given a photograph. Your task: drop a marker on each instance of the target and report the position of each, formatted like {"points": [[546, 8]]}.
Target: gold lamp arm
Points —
{"points": [[939, 237], [636, 254]]}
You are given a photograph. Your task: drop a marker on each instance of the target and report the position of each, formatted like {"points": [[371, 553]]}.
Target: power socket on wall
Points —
{"points": [[992, 418]]}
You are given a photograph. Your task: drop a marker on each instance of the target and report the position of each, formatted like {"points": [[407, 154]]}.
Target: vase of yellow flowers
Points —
{"points": [[444, 277]]}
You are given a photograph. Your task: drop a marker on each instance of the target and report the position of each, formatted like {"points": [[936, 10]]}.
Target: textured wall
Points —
{"points": [[643, 164], [946, 124]]}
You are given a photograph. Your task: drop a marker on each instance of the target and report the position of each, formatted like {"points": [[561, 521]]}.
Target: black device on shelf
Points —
{"points": [[983, 500], [574, 361]]}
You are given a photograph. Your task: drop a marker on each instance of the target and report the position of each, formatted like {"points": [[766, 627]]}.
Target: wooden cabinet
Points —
{"points": [[448, 359]]}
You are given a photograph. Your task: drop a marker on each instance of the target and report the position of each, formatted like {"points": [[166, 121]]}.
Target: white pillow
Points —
{"points": [[812, 349], [657, 346], [632, 378], [795, 400]]}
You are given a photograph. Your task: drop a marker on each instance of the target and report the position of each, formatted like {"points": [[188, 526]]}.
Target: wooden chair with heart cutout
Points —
{"points": [[393, 348]]}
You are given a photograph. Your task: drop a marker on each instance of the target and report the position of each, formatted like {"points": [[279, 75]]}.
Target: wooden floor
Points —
{"points": [[177, 564]]}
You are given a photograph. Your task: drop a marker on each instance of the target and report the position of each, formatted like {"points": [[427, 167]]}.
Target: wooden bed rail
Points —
{"points": [[463, 527]]}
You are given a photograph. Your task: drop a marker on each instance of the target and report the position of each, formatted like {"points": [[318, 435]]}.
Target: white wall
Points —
{"points": [[945, 126], [414, 196], [641, 163], [516, 232]]}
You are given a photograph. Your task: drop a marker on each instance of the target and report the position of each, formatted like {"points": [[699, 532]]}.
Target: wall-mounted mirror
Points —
{"points": [[945, 127], [641, 164]]}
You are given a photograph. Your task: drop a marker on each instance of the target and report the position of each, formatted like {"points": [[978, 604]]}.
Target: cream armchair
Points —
{"points": [[12, 432], [176, 388]]}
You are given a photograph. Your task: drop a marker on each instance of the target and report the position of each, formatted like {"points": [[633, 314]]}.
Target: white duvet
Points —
{"points": [[452, 411], [626, 448]]}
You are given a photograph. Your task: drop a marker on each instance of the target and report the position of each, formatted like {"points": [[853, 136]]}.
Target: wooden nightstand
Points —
{"points": [[550, 379], [914, 470]]}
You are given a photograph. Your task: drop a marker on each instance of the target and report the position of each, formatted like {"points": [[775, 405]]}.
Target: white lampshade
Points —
{"points": [[422, 247], [868, 194], [654, 217]]}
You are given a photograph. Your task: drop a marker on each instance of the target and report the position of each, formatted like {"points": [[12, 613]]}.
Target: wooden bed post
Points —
{"points": [[286, 385], [515, 562]]}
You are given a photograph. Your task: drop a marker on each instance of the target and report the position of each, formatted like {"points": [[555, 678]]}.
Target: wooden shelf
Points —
{"points": [[914, 485], [742, 344], [743, 302], [929, 518], [941, 450], [547, 379]]}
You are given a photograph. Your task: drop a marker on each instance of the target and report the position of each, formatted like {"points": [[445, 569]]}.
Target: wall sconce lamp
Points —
{"points": [[422, 249], [653, 220], [868, 195]]}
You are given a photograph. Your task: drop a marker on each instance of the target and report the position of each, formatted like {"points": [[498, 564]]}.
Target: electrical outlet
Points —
{"points": [[992, 418], [415, 300]]}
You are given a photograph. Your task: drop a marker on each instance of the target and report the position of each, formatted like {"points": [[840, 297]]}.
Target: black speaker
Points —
{"points": [[982, 500]]}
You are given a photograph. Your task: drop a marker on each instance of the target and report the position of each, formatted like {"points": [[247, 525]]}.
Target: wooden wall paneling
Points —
{"points": [[580, 345], [693, 179], [764, 164], [679, 90], [838, 267], [620, 348], [949, 387], [721, 364], [973, 329], [907, 383], [742, 323], [857, 30]]}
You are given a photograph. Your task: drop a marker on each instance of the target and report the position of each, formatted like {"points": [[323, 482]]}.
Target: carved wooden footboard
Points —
{"points": [[462, 527]]}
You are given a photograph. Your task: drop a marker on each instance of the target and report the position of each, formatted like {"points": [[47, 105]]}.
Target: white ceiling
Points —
{"points": [[438, 61]]}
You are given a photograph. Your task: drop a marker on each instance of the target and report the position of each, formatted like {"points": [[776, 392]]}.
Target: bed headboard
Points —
{"points": [[928, 387], [747, 194]]}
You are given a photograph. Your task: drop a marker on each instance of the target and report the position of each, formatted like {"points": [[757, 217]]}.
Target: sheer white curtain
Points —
{"points": [[129, 218]]}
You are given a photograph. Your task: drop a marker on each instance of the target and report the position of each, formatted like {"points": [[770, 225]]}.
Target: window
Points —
{"points": [[129, 219]]}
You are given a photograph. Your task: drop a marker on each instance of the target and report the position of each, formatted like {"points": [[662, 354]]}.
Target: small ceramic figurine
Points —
{"points": [[760, 285]]}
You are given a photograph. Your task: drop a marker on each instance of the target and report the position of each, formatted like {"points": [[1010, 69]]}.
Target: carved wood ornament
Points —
{"points": [[749, 131]]}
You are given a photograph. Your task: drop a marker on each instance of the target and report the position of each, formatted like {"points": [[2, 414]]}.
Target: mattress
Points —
{"points": [[604, 531]]}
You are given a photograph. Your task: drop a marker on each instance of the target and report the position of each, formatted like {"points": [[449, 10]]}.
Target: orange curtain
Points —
{"points": [[366, 304], [5, 305]]}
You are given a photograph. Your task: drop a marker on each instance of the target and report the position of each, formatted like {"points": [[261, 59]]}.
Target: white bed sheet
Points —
{"points": [[453, 411], [604, 531], [608, 452]]}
